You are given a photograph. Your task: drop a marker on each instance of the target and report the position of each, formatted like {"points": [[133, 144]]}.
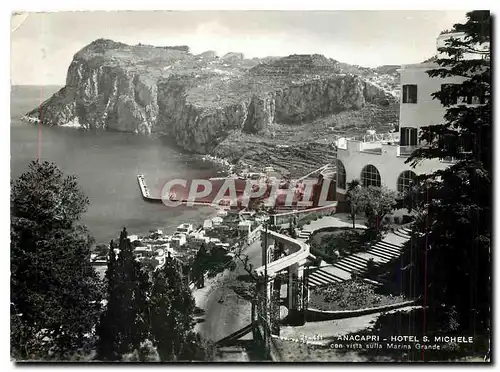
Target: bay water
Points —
{"points": [[107, 165]]}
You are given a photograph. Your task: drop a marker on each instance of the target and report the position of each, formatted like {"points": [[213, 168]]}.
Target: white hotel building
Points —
{"points": [[380, 159]]}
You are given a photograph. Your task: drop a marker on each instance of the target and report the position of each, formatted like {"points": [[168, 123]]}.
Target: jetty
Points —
{"points": [[146, 195]]}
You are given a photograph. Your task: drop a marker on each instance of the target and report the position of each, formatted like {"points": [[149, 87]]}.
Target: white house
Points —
{"points": [[178, 240], [133, 238], [143, 251], [216, 221], [380, 159], [207, 225], [222, 212], [245, 226], [185, 228]]}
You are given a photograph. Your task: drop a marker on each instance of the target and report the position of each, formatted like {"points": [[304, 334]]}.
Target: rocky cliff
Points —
{"points": [[200, 100]]}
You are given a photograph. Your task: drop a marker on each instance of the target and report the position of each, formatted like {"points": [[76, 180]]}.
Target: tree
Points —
{"points": [[108, 335], [211, 261], [101, 250], [375, 202], [355, 202], [55, 292], [149, 263], [123, 325], [171, 310], [378, 202], [455, 203], [292, 224], [198, 266]]}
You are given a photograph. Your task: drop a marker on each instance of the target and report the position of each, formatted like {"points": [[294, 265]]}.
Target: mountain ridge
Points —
{"points": [[202, 100]]}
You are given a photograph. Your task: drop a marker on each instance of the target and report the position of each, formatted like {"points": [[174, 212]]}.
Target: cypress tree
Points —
{"points": [[124, 325], [171, 309]]}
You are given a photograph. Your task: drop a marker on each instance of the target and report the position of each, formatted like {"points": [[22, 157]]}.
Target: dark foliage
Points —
{"points": [[55, 292], [171, 309], [454, 205], [210, 260], [123, 325]]}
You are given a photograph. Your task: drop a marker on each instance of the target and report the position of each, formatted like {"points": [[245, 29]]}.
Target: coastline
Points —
{"points": [[75, 124], [219, 162]]}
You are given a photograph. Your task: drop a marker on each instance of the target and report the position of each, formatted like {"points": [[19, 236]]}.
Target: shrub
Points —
{"points": [[397, 220], [407, 219], [371, 269]]}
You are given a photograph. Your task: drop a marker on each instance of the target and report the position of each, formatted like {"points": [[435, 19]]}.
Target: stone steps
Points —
{"points": [[231, 354], [359, 259], [384, 248], [401, 234], [376, 259], [406, 230], [352, 262], [322, 277], [382, 253], [389, 248], [346, 267], [386, 258]]}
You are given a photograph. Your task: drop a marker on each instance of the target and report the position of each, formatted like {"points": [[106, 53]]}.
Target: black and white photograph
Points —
{"points": [[248, 186]]}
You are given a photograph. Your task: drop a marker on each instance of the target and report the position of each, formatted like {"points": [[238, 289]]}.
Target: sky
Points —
{"points": [[43, 44]]}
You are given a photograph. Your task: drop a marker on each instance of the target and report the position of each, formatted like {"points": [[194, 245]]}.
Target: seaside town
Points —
{"points": [[363, 254]]}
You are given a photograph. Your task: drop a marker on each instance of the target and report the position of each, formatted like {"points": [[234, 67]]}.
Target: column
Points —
{"points": [[292, 287], [266, 241], [295, 311]]}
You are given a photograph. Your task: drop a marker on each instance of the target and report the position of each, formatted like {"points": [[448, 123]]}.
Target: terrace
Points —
{"points": [[371, 142]]}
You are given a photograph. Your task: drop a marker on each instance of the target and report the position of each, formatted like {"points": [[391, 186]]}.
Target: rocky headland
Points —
{"points": [[276, 110]]}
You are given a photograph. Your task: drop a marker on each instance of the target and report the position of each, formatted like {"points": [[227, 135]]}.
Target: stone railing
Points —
{"points": [[298, 251], [406, 150], [319, 315], [283, 219]]}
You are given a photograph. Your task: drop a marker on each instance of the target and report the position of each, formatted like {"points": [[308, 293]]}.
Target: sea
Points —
{"points": [[106, 165]]}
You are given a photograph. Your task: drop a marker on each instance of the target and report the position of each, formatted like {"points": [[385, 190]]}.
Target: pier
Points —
{"points": [[145, 191], [146, 195]]}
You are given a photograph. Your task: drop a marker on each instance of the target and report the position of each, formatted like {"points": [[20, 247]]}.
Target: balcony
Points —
{"points": [[453, 159], [371, 147], [448, 159], [406, 151]]}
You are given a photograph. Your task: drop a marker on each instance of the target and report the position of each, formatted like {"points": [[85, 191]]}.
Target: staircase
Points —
{"points": [[304, 235], [382, 252], [232, 353]]}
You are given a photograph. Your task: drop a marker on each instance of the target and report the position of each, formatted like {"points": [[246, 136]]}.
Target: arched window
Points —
{"points": [[341, 178], [406, 179], [370, 176]]}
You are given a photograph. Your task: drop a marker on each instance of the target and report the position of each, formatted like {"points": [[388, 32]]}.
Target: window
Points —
{"points": [[457, 145], [370, 176], [405, 180], [448, 97], [473, 100], [341, 177], [410, 93], [408, 137]]}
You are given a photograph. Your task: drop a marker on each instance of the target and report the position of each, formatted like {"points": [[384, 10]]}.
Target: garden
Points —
{"points": [[353, 294], [333, 243]]}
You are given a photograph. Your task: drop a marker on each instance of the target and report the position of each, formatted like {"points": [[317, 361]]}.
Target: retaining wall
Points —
{"points": [[314, 315]]}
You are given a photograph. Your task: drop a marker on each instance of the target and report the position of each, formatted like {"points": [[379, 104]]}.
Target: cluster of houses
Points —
{"points": [[158, 246]]}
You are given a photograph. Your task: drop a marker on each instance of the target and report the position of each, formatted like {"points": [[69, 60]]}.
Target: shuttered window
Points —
{"points": [[408, 137], [410, 93]]}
